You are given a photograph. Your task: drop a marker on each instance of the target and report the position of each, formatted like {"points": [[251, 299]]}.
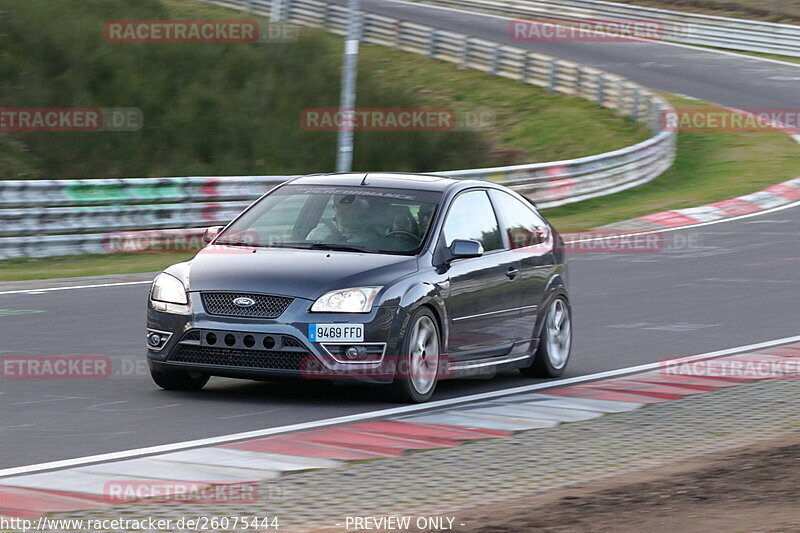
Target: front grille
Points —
{"points": [[261, 359], [221, 304]]}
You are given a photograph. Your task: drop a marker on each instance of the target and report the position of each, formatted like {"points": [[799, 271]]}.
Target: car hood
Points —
{"points": [[288, 272]]}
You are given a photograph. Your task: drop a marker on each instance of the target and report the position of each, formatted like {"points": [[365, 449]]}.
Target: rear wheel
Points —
{"points": [[555, 343], [183, 380], [418, 365]]}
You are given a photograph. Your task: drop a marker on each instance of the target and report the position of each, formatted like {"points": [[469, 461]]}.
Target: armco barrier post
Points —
{"points": [[551, 76], [432, 44]]}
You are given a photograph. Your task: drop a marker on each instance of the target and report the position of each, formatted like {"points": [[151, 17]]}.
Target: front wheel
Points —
{"points": [[183, 380], [555, 343], [418, 365]]}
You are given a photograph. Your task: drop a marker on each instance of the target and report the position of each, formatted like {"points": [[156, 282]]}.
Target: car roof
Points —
{"points": [[391, 180]]}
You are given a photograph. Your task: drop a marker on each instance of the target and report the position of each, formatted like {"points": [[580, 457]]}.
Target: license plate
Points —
{"points": [[336, 332]]}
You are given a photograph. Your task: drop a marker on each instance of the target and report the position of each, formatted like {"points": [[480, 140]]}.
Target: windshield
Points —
{"points": [[359, 219]]}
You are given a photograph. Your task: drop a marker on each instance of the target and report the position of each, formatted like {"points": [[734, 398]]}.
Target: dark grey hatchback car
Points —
{"points": [[395, 279]]}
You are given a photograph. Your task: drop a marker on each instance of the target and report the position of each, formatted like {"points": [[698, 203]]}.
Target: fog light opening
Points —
{"points": [[211, 339], [268, 342], [154, 340], [355, 352], [249, 341], [230, 340]]}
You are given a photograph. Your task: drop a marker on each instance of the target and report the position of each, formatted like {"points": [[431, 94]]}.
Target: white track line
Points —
{"points": [[383, 413], [73, 287], [697, 48]]}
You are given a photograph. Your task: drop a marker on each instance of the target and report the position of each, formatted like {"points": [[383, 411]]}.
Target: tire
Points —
{"points": [[417, 369], [181, 380], [555, 343]]}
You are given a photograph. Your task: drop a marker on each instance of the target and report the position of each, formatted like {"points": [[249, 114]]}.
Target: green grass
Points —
{"points": [[528, 124], [86, 265], [710, 166]]}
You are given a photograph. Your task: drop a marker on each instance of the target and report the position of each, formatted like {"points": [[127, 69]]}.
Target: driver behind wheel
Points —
{"points": [[352, 223], [402, 220]]}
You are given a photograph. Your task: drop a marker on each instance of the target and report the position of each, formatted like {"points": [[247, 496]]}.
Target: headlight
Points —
{"points": [[355, 300], [168, 289]]}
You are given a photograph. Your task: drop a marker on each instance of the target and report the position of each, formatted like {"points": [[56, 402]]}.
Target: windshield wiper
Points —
{"points": [[341, 247], [301, 245], [304, 245], [237, 243]]}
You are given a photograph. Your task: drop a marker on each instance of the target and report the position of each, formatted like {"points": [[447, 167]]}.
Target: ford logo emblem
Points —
{"points": [[244, 302]]}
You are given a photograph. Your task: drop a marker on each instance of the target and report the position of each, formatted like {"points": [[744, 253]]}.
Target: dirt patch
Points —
{"points": [[751, 490]]}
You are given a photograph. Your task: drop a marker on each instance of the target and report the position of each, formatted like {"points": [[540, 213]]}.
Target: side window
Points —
{"points": [[523, 226], [472, 217]]}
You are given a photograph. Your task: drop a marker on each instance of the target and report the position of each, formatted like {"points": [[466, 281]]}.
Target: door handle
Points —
{"points": [[512, 272]]}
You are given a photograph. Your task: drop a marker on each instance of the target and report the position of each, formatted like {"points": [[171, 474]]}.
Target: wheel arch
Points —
{"points": [[426, 295], [556, 287]]}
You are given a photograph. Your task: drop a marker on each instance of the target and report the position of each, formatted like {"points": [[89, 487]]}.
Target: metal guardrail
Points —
{"points": [[62, 217], [682, 27]]}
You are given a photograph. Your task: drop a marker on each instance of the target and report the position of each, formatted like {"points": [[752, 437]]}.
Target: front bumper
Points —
{"points": [[262, 349]]}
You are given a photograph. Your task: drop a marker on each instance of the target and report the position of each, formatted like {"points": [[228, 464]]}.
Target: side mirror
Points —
{"points": [[211, 233], [464, 249]]}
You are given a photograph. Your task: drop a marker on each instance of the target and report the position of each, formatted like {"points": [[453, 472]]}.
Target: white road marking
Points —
{"points": [[74, 287], [55, 399], [383, 413], [679, 327], [746, 280], [268, 411], [103, 407], [682, 327], [18, 426]]}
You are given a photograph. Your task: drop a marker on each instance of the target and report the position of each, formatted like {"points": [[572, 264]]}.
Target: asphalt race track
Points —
{"points": [[735, 284], [732, 80]]}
